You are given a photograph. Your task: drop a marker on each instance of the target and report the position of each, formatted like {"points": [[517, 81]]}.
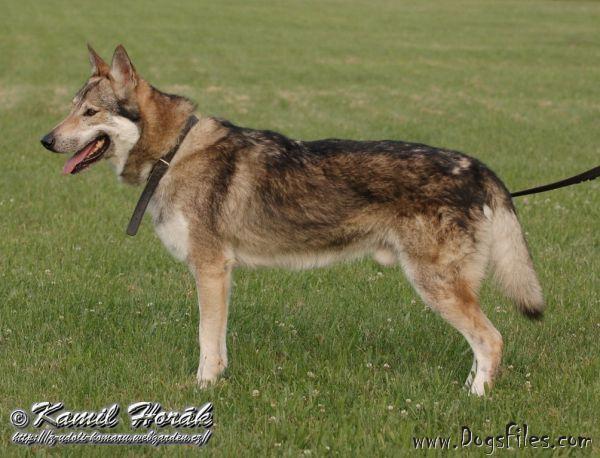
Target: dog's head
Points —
{"points": [[104, 121]]}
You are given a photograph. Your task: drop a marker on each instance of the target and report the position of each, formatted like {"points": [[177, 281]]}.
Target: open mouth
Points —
{"points": [[86, 156]]}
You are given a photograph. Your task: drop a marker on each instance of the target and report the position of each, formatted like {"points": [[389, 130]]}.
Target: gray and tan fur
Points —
{"points": [[236, 196]]}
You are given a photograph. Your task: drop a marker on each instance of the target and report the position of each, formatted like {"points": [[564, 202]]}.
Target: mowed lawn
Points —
{"points": [[345, 360]]}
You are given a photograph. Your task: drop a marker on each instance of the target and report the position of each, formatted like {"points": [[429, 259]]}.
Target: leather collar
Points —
{"points": [[158, 171]]}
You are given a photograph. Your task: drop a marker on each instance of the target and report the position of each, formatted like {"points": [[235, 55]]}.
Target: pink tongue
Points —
{"points": [[77, 158]]}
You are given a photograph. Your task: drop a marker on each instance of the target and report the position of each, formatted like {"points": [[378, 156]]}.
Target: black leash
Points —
{"points": [[585, 176], [158, 171]]}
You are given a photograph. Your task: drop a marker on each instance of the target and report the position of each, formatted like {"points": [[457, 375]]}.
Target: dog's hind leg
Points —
{"points": [[451, 290], [213, 283]]}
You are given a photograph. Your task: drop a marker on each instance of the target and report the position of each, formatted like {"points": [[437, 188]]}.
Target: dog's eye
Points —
{"points": [[90, 112]]}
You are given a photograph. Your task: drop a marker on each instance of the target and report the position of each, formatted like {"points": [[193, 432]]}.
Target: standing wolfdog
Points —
{"points": [[237, 196]]}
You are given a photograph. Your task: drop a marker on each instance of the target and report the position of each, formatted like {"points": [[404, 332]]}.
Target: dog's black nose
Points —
{"points": [[48, 141]]}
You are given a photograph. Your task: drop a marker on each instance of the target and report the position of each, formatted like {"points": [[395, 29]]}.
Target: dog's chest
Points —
{"points": [[172, 228]]}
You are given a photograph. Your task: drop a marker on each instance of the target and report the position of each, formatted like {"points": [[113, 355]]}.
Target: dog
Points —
{"points": [[238, 196]]}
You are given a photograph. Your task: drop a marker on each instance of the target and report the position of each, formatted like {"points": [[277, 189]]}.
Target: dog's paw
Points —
{"points": [[472, 373], [478, 385], [477, 390], [204, 383], [209, 372]]}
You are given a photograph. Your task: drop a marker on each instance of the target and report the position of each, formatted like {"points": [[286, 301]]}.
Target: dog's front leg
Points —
{"points": [[212, 282]]}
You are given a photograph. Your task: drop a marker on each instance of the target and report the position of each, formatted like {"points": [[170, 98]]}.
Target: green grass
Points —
{"points": [[89, 316]]}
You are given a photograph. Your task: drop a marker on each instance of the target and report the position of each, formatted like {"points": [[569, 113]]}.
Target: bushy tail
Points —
{"points": [[512, 265]]}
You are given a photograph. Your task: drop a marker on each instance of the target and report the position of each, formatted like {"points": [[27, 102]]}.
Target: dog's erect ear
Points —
{"points": [[122, 73], [99, 67]]}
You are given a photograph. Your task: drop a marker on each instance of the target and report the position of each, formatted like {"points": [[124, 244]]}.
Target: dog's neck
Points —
{"points": [[162, 117]]}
